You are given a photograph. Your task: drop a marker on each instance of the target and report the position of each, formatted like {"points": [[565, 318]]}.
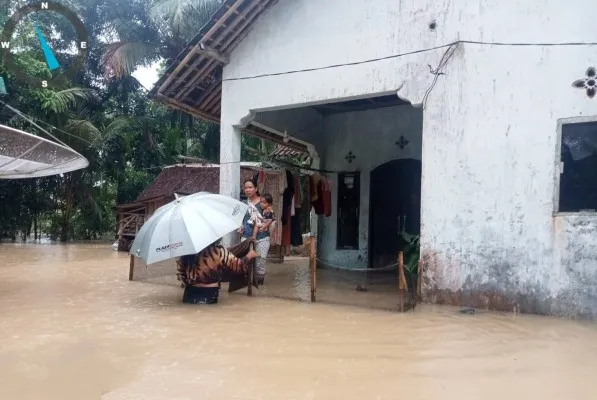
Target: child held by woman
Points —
{"points": [[262, 224]]}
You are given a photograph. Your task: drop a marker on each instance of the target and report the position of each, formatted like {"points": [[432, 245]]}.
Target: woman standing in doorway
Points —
{"points": [[248, 231]]}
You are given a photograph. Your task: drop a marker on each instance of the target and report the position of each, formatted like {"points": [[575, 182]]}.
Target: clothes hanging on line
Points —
{"points": [[298, 198], [261, 181], [327, 198], [315, 191], [296, 235], [276, 185], [287, 197], [321, 195], [273, 181], [288, 194]]}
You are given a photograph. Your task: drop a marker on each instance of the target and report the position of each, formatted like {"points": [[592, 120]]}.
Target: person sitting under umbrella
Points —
{"points": [[202, 273]]}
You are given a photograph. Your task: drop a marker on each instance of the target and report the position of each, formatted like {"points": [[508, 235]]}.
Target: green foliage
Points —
{"points": [[105, 115], [131, 183], [410, 247], [160, 30], [61, 102]]}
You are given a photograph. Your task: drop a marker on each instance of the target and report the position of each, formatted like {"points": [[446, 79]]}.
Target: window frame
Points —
{"points": [[559, 169]]}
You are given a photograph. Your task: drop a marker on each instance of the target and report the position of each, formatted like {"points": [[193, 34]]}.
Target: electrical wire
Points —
{"points": [[26, 118], [368, 61], [62, 131], [439, 71], [451, 48], [32, 120]]}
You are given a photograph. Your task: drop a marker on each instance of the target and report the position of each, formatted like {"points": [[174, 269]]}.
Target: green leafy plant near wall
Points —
{"points": [[410, 248]]}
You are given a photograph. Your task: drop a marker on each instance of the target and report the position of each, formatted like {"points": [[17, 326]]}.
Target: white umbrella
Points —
{"points": [[186, 226]]}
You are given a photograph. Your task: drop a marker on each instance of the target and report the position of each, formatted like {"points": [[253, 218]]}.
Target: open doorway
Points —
{"points": [[395, 206]]}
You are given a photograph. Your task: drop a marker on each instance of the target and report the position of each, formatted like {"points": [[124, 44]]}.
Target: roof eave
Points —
{"points": [[192, 83]]}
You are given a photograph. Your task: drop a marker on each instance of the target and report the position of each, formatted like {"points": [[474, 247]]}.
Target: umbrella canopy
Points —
{"points": [[187, 225]]}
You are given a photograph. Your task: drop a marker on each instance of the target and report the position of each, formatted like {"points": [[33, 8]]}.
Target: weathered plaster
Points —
{"points": [[493, 167], [489, 237]]}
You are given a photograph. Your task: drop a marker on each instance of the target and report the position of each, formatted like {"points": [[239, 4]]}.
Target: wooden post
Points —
{"points": [[420, 281], [401, 281], [313, 267], [131, 267], [251, 273], [250, 285], [120, 230]]}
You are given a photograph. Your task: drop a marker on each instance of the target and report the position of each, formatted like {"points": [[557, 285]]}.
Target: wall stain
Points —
{"points": [[558, 280]]}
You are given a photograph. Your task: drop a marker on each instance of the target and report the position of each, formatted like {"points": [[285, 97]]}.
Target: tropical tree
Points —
{"points": [[168, 24], [105, 115]]}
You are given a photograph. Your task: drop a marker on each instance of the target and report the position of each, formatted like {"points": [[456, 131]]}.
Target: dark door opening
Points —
{"points": [[349, 199], [394, 206]]}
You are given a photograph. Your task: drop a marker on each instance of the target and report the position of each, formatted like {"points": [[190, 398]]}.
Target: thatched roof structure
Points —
{"points": [[182, 179], [185, 179]]}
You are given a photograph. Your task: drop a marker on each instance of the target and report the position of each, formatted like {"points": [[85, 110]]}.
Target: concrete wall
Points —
{"points": [[370, 136], [494, 168], [300, 34], [489, 133]]}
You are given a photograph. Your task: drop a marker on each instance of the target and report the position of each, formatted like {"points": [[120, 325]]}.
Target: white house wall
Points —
{"points": [[371, 136], [489, 128], [489, 234], [297, 35]]}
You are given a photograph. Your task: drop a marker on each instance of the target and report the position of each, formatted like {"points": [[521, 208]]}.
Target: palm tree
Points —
{"points": [[170, 25], [174, 21]]}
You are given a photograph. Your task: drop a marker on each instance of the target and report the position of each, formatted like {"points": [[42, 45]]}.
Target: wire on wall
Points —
{"points": [[439, 70], [444, 46]]}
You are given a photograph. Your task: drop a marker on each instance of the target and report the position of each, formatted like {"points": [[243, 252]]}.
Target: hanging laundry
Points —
{"points": [[287, 209], [286, 230], [296, 234], [327, 199], [297, 193], [261, 181], [316, 186], [313, 180], [287, 197], [274, 185]]}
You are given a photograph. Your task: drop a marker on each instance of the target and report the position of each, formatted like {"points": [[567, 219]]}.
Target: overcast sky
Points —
{"points": [[148, 76]]}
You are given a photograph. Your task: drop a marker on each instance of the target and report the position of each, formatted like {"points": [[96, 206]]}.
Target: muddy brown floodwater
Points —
{"points": [[73, 327]]}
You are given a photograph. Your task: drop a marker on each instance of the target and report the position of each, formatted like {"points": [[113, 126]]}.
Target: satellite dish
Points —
{"points": [[23, 155]]}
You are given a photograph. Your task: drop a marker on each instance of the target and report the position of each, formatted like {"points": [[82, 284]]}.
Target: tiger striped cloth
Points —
{"points": [[213, 264]]}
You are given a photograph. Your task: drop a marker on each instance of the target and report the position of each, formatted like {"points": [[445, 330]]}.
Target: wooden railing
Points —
{"points": [[130, 223]]}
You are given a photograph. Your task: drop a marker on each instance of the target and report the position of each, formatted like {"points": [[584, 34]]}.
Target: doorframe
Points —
{"points": [[370, 223]]}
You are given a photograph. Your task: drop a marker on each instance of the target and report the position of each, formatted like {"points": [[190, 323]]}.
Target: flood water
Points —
{"points": [[73, 327]]}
